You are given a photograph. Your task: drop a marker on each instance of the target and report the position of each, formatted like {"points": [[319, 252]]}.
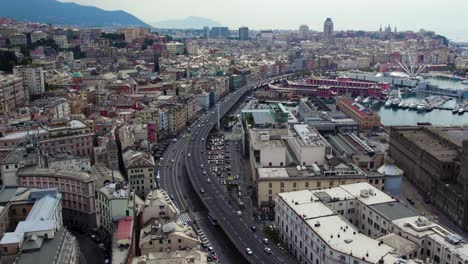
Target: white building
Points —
{"points": [[62, 41], [114, 202], [18, 39], [266, 35], [38, 35], [204, 100], [309, 146], [158, 205], [163, 122], [33, 79], [358, 223], [193, 49], [266, 149]]}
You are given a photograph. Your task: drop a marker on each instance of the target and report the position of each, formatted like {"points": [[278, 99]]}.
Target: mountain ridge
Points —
{"points": [[60, 13]]}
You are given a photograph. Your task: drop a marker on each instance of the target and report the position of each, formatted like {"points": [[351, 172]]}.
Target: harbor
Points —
{"points": [[419, 109]]}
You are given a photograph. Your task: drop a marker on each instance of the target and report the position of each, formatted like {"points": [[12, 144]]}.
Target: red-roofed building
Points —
{"points": [[366, 118], [125, 231]]}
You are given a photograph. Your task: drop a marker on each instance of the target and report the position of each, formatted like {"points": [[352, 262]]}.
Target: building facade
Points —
{"points": [[366, 118], [113, 205], [13, 93], [77, 189], [357, 223], [435, 160], [243, 33], [139, 168], [72, 136], [33, 79], [328, 30]]}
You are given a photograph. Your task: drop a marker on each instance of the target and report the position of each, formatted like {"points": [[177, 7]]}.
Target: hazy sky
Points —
{"points": [[448, 17]]}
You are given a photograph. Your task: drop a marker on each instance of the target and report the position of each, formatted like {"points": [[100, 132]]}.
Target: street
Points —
{"points": [[90, 252], [409, 191]]}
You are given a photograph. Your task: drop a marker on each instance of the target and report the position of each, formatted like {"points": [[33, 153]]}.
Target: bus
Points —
{"points": [[212, 219]]}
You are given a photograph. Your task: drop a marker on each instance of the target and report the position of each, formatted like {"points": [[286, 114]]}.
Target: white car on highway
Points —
{"points": [[239, 213], [248, 251]]}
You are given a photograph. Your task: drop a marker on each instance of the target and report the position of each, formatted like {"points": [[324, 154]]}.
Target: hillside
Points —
{"points": [[58, 13]]}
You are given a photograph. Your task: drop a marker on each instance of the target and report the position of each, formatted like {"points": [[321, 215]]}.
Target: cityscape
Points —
{"points": [[189, 141]]}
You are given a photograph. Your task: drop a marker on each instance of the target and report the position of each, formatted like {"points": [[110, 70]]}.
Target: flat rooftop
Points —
{"points": [[35, 171], [375, 195], [392, 211], [258, 143], [272, 173], [346, 238], [47, 251], [430, 143]]}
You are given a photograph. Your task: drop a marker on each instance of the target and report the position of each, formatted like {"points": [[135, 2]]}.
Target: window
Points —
{"points": [[5, 249]]}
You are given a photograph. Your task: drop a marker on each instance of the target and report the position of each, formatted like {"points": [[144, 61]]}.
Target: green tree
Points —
{"points": [[113, 36], [8, 60]]}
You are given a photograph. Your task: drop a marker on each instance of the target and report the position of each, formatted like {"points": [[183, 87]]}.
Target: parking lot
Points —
{"points": [[219, 153]]}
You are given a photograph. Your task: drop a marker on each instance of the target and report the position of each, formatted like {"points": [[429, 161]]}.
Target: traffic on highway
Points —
{"points": [[238, 226]]}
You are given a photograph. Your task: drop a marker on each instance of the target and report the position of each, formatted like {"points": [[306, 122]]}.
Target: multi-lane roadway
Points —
{"points": [[237, 226]]}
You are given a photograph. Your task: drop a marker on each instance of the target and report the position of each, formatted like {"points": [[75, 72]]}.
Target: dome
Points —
{"points": [[77, 75], [390, 169]]}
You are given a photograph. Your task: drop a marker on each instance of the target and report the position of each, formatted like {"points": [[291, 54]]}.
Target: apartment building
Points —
{"points": [[113, 204], [158, 204], [357, 223], [177, 118], [193, 256], [41, 236], [72, 136], [133, 33], [160, 235], [33, 79], [77, 189], [52, 107], [62, 41], [38, 35], [13, 93], [139, 168]]}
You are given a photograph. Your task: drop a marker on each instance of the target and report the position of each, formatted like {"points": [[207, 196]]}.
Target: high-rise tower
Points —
{"points": [[243, 33], [304, 32], [328, 30]]}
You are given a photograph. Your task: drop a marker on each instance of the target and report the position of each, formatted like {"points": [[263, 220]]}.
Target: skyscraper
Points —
{"points": [[328, 30], [219, 32], [243, 33], [206, 32], [304, 32]]}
